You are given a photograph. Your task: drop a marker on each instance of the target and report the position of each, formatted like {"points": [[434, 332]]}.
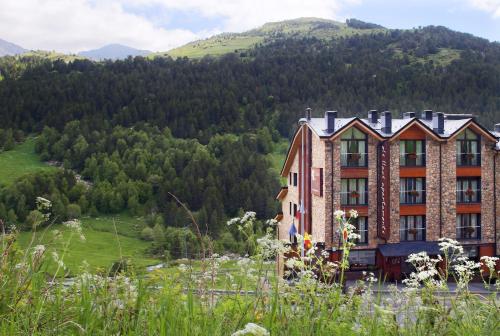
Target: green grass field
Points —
{"points": [[101, 247], [19, 161]]}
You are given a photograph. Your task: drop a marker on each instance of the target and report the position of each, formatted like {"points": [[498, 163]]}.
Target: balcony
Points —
{"points": [[469, 196], [468, 159], [353, 159], [469, 232], [412, 159], [412, 197], [354, 198]]}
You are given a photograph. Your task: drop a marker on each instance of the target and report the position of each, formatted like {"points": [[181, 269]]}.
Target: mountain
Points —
{"points": [[113, 52], [8, 48], [296, 28]]}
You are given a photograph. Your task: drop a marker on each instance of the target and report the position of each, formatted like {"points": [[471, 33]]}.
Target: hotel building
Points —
{"points": [[412, 180]]}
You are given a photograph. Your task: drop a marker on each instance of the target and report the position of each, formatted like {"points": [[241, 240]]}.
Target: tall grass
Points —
{"points": [[185, 303]]}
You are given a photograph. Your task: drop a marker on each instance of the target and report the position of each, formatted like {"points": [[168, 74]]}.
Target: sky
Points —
{"points": [[71, 26]]}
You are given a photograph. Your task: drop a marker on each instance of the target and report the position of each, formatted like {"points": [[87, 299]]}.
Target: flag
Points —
{"points": [[299, 211], [293, 230], [307, 241]]}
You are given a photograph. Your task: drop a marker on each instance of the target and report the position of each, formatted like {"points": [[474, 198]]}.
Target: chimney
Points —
{"points": [[427, 114], [497, 128], [438, 122], [330, 121], [308, 114], [386, 120], [373, 116], [408, 115]]}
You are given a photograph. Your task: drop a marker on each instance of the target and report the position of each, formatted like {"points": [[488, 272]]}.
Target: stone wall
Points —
{"points": [[318, 202], [327, 193], [433, 198], [448, 191], [394, 192], [292, 196], [336, 190], [487, 190]]}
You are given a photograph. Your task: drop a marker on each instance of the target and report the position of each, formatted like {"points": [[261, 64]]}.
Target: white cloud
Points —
{"points": [[75, 25], [490, 6]]}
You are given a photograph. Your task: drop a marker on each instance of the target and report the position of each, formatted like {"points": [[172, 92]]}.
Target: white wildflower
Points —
{"points": [[252, 329], [272, 222], [43, 204], [339, 214], [233, 221], [450, 246], [489, 262], [38, 250], [353, 213], [290, 263]]}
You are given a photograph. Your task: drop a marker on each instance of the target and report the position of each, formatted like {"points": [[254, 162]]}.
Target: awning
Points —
{"points": [[407, 248]]}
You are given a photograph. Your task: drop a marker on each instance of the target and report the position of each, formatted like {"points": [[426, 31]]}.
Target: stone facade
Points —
{"points": [[487, 189], [291, 196], [318, 202], [336, 191], [394, 192], [328, 196], [448, 189], [432, 189]]}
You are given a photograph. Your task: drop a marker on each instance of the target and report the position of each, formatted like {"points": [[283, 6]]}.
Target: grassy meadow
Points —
{"points": [[20, 161], [102, 245]]}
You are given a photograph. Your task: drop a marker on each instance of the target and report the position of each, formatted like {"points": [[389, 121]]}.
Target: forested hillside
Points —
{"points": [[140, 128]]}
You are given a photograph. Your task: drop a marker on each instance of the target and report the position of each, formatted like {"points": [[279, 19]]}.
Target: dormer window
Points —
{"points": [[468, 149], [353, 148], [412, 153]]}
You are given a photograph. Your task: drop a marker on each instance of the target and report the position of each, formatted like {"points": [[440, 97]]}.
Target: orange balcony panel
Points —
{"points": [[361, 209], [469, 208], [412, 209], [412, 171], [469, 171], [354, 172]]}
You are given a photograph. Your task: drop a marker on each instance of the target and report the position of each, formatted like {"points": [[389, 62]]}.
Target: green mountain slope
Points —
{"points": [[297, 28]]}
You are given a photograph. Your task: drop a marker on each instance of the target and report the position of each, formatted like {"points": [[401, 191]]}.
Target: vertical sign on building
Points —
{"points": [[384, 159]]}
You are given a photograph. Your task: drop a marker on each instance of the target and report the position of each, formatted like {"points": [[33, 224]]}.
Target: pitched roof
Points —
{"points": [[451, 126]]}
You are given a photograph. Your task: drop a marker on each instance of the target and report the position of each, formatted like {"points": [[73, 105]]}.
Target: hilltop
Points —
{"points": [[8, 48], [297, 28], [113, 52]]}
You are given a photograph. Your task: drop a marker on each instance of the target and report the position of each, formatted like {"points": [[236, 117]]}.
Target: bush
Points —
{"points": [[147, 234], [73, 211]]}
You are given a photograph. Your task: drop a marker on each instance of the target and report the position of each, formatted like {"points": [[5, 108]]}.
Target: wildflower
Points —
{"points": [[353, 213], [339, 214], [272, 222], [38, 250], [43, 204], [76, 226], [252, 329], [58, 261], [290, 263], [489, 262], [233, 221], [450, 246]]}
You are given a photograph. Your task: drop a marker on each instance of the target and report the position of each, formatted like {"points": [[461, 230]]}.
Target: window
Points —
{"points": [[468, 149], [468, 190], [353, 148], [469, 226], [290, 178], [290, 208], [361, 225], [294, 210], [354, 192], [295, 179], [412, 153], [412, 190], [412, 228]]}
